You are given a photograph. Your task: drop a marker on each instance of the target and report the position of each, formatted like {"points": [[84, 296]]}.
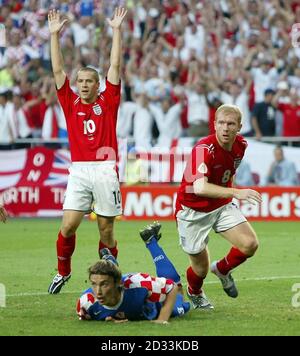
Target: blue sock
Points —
{"points": [[181, 307], [164, 267]]}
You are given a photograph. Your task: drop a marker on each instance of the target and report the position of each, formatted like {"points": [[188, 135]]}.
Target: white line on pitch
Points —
{"points": [[29, 294]]}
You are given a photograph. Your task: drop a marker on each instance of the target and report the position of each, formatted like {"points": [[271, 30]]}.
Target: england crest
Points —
{"points": [[97, 109]]}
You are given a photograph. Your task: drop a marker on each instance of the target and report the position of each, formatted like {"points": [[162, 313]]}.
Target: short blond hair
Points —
{"points": [[227, 109], [90, 70]]}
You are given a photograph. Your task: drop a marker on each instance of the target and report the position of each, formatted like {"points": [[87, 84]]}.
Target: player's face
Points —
{"points": [[227, 126], [278, 154], [87, 86], [105, 289]]}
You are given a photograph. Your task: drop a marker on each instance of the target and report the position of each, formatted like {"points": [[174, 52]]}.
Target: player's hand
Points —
{"points": [[164, 322], [250, 195], [258, 136], [117, 321], [118, 18], [83, 314], [54, 22], [3, 214]]}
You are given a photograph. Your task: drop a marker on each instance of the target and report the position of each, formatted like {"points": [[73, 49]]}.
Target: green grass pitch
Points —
{"points": [[264, 306]]}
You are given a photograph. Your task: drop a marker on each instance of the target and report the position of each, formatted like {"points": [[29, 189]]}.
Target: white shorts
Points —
{"points": [[93, 186], [194, 226]]}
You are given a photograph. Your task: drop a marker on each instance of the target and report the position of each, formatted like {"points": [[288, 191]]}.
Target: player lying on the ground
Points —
{"points": [[134, 296]]}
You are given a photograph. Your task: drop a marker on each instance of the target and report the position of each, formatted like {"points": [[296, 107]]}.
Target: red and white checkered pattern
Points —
{"points": [[158, 287]]}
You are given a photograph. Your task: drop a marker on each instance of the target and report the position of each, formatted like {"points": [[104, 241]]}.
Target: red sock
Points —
{"points": [[234, 258], [194, 281], [65, 247], [114, 250]]}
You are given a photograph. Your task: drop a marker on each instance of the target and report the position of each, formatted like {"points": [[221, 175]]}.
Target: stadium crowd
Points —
{"points": [[181, 60]]}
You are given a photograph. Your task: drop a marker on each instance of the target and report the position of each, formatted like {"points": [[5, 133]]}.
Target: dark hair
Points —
{"points": [[269, 91], [107, 268]]}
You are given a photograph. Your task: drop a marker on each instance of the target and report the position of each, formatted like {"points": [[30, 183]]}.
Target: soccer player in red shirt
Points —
{"points": [[91, 123], [204, 202]]}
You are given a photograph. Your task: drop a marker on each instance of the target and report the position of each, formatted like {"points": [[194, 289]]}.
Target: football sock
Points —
{"points": [[114, 250], [234, 258], [181, 307], [164, 267], [194, 281], [65, 247]]}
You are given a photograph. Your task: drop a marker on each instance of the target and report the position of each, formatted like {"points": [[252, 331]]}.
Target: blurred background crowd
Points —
{"points": [[181, 60]]}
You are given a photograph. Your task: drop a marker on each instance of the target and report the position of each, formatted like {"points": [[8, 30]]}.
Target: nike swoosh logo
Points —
{"points": [[98, 312], [81, 113]]}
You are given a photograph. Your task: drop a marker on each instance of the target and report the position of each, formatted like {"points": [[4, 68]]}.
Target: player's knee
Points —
{"points": [[68, 229], [201, 269], [106, 231], [250, 247], [200, 263]]}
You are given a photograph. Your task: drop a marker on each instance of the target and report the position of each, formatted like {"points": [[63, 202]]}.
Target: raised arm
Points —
{"points": [[113, 74], [55, 26]]}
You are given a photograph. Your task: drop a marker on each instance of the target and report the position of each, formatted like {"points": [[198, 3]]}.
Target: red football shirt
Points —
{"points": [[209, 159], [91, 127], [291, 119]]}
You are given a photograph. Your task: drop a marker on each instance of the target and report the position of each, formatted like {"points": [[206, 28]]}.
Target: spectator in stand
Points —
{"points": [[238, 95], [22, 127], [8, 129], [126, 115], [54, 123], [283, 87], [290, 112], [244, 177], [142, 124], [198, 110], [282, 172], [263, 116], [158, 35], [34, 106], [264, 77], [167, 118]]}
